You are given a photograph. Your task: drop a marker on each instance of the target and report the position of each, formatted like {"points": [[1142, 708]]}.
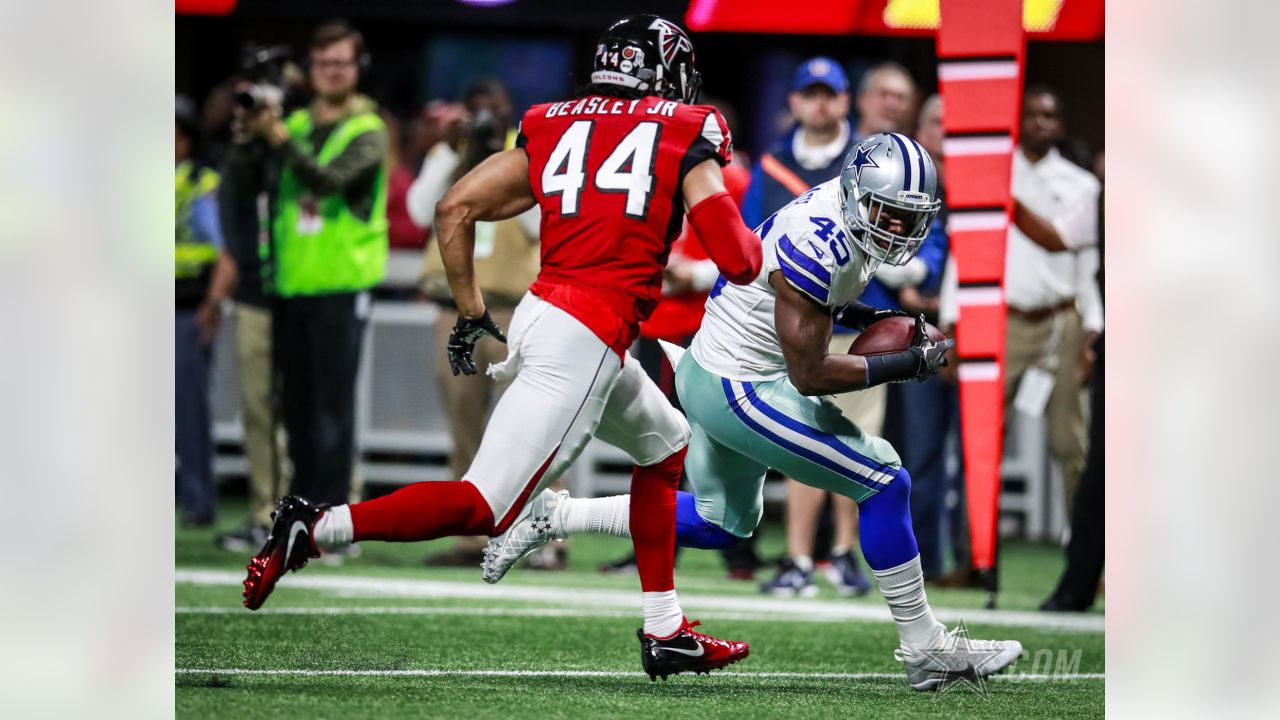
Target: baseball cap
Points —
{"points": [[820, 70]]}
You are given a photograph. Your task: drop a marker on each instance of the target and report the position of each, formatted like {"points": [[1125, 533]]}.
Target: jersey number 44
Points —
{"points": [[627, 169]]}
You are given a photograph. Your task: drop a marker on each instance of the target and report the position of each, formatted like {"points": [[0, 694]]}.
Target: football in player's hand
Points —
{"points": [[890, 335]]}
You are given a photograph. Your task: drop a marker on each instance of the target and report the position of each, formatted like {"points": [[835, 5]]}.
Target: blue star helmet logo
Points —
{"points": [[862, 158]]}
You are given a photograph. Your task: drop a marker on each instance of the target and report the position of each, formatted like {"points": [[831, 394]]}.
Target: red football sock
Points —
{"points": [[423, 511], [653, 521]]}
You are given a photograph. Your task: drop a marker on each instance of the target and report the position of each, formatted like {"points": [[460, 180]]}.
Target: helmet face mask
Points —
{"points": [[650, 55], [888, 197]]}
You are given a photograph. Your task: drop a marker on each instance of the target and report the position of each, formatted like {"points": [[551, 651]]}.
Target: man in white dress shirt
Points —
{"points": [[1055, 312]]}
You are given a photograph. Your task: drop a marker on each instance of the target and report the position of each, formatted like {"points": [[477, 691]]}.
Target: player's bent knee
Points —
{"points": [[671, 441], [710, 537], [900, 485], [901, 482], [680, 433], [898, 489], [694, 531]]}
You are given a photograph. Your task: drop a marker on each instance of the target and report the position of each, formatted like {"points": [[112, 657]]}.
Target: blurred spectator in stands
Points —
{"points": [[920, 414], [1055, 311], [245, 199], [1054, 305], [402, 231], [203, 277], [329, 247], [929, 132], [886, 100], [953, 521], [809, 156], [1082, 576], [507, 260], [215, 122]]}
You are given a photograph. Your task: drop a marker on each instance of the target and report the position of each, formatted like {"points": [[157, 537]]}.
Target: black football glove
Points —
{"points": [[922, 358], [860, 316], [462, 341], [930, 356]]}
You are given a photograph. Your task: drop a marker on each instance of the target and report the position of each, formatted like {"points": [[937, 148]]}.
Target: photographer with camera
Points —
{"points": [[328, 246], [506, 263]]}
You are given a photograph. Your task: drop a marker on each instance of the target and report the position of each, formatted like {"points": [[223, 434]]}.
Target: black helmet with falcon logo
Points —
{"points": [[650, 55]]}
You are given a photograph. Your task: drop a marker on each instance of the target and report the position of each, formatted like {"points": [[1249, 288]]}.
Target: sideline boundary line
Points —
{"points": [[710, 606]]}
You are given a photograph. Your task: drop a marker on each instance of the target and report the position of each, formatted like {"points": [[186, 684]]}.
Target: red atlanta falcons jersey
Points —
{"points": [[607, 173]]}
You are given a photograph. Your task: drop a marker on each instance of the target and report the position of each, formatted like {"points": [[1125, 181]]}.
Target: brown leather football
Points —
{"points": [[890, 335]]}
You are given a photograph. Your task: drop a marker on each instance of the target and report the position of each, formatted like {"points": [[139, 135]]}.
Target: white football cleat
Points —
{"points": [[956, 657], [539, 524]]}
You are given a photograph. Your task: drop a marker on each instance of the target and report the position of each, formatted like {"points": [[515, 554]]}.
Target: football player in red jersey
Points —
{"points": [[613, 172]]}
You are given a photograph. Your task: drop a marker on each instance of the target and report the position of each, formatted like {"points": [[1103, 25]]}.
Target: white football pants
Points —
{"points": [[566, 386]]}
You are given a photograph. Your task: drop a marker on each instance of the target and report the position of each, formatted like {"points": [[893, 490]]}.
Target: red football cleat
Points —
{"points": [[687, 650], [289, 548]]}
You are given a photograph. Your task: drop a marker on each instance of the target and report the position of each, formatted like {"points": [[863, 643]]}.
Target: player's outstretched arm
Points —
{"points": [[714, 216], [496, 189]]}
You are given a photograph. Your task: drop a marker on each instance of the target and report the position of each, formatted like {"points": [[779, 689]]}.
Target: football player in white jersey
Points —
{"points": [[753, 386]]}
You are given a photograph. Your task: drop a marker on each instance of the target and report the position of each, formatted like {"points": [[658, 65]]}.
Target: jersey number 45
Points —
{"points": [[628, 169]]}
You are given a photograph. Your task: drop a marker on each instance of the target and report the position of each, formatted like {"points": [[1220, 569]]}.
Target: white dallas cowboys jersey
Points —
{"points": [[806, 241]]}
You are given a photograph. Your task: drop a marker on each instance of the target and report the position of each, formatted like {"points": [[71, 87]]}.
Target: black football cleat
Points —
{"points": [[288, 548], [687, 650]]}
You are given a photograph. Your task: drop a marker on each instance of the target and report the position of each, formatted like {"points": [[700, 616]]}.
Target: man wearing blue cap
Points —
{"points": [[810, 155]]}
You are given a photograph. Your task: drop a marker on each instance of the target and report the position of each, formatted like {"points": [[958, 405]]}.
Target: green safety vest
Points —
{"points": [[320, 245], [193, 258]]}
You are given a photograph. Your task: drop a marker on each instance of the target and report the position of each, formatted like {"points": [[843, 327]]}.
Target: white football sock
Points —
{"points": [[607, 516], [334, 528], [839, 550], [903, 589], [662, 614], [804, 562]]}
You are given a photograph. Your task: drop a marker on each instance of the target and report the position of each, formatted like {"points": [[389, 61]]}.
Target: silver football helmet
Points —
{"points": [[889, 196]]}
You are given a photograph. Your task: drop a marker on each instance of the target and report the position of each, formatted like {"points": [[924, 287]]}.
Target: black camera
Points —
{"points": [[264, 67], [486, 133]]}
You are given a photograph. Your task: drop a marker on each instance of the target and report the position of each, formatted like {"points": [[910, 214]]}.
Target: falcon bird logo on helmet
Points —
{"points": [[671, 40], [649, 55]]}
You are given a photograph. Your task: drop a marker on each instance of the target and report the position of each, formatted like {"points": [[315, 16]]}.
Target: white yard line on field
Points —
{"points": [[1029, 677], [582, 599]]}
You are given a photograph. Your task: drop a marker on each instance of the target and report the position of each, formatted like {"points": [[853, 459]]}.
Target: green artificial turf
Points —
{"points": [[402, 638]]}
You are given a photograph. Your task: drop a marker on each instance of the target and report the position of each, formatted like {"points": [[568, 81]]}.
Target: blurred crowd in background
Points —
{"points": [[307, 153]]}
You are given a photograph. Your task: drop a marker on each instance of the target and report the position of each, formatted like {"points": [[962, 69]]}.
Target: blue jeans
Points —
{"points": [[193, 432], [926, 410]]}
